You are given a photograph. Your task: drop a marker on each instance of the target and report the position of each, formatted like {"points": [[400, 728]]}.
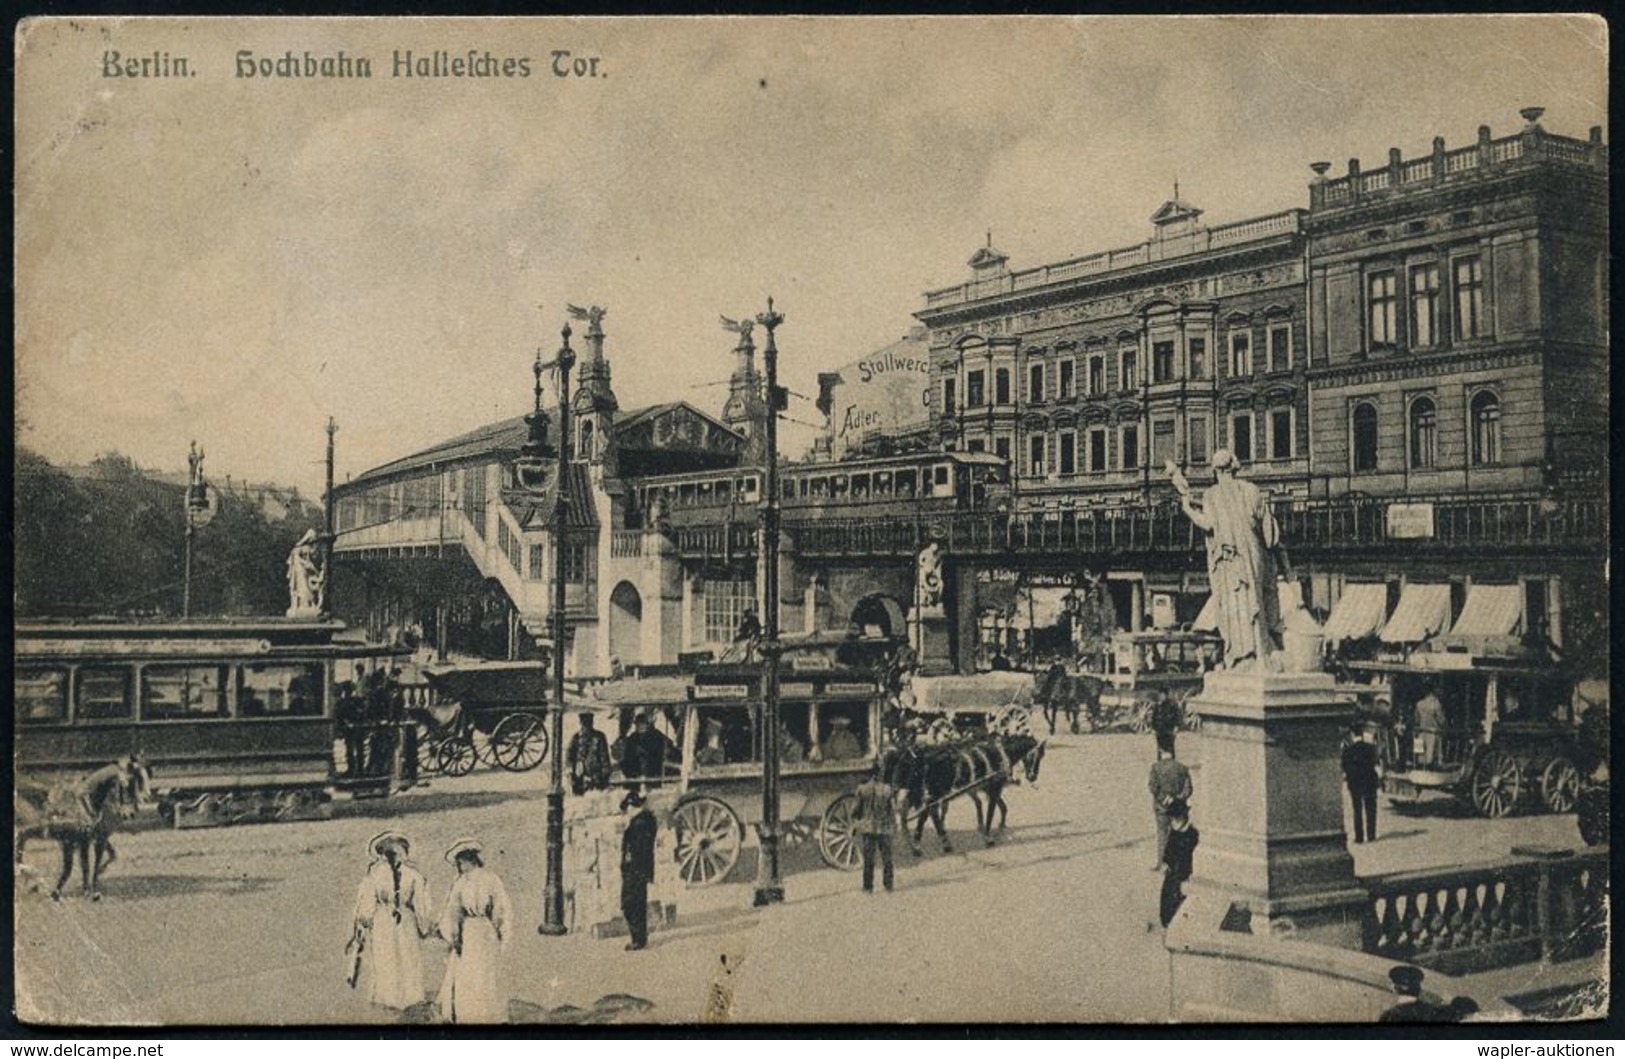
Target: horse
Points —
{"points": [[932, 776], [80, 818], [1070, 693]]}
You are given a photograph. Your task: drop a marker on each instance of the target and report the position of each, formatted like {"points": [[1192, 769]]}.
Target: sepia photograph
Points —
{"points": [[729, 521]]}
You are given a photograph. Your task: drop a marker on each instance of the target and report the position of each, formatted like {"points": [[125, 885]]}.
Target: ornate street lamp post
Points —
{"points": [[769, 885], [553, 888], [197, 502]]}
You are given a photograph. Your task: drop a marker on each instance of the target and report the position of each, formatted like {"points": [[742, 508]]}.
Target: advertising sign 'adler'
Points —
{"points": [[882, 393]]}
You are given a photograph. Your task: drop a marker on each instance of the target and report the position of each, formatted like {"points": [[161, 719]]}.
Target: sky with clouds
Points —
{"points": [[234, 260]]}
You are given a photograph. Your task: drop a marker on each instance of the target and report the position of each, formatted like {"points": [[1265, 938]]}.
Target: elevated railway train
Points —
{"points": [[933, 482], [235, 719]]}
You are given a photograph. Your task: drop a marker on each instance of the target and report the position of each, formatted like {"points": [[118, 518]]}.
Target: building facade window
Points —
{"points": [[1380, 309], [1162, 361], [1097, 450], [575, 563], [1035, 383], [1162, 442], [1001, 386], [976, 445], [1131, 368], [538, 562], [1424, 306], [1280, 349], [1097, 375], [1128, 447], [948, 407], [975, 389], [725, 603], [1241, 436], [1196, 433], [1068, 455], [1241, 353], [1363, 428], [1424, 433], [1196, 351], [1469, 283], [1001, 448], [1063, 382], [1281, 434], [1035, 455], [1485, 409]]}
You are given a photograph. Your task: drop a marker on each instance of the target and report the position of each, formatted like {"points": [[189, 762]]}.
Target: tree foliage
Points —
{"points": [[112, 541]]}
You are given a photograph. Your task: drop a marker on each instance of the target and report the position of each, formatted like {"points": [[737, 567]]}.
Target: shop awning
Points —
{"points": [[1359, 612], [1208, 619], [1491, 610], [1423, 612]]}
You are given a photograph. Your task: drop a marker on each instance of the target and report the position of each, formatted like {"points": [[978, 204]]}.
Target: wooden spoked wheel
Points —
{"points": [[709, 837], [519, 742], [838, 840], [457, 757], [428, 750], [1560, 785], [1497, 783]]}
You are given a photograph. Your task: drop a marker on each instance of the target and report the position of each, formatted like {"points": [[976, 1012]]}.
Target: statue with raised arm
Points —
{"points": [[306, 580], [1243, 542]]}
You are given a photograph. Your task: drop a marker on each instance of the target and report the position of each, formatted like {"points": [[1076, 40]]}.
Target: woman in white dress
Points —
{"points": [[392, 916], [475, 923]]}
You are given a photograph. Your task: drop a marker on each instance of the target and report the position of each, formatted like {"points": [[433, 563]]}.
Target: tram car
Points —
{"points": [[235, 719], [923, 483], [829, 741], [1500, 734]]}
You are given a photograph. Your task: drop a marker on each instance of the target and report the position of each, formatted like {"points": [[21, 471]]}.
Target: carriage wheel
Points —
{"points": [[709, 836], [1141, 718], [483, 745], [1497, 783], [838, 841], [428, 750], [457, 757], [1560, 785], [519, 742]]}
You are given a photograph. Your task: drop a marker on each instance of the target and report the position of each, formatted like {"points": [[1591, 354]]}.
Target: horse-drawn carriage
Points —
{"points": [[490, 712], [950, 706], [1499, 733]]}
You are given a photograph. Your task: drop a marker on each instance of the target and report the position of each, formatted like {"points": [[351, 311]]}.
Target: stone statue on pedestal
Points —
{"points": [[1243, 547], [929, 586], [306, 579]]}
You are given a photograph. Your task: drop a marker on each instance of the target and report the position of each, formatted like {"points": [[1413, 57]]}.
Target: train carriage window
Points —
{"points": [[939, 475], [41, 696], [183, 693], [724, 488], [860, 485], [279, 690], [838, 485], [101, 694], [883, 483]]}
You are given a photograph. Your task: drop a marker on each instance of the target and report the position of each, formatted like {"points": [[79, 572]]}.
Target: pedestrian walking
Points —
{"points": [[875, 819], [637, 867], [392, 910], [475, 923], [1177, 856], [1360, 774], [1170, 781]]}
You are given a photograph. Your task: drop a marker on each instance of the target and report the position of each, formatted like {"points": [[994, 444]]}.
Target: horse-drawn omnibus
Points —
{"points": [[1500, 734], [233, 718], [713, 720]]}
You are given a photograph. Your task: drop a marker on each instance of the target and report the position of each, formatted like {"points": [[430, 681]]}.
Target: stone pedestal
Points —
{"points": [[1273, 857], [928, 631]]}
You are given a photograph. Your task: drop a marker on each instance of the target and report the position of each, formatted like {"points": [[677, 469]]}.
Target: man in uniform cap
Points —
{"points": [[1360, 774], [637, 866]]}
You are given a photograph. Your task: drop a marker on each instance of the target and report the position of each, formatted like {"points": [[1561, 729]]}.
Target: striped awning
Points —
{"points": [[1359, 612], [1491, 610], [1208, 619], [1423, 612]]}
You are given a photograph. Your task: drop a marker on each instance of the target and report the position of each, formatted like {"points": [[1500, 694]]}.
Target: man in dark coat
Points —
{"points": [[588, 758], [1170, 782], [1182, 839], [875, 820], [637, 868], [1360, 773], [647, 751], [352, 721]]}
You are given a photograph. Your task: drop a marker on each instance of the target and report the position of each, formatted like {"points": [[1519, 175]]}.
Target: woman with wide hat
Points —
{"points": [[476, 922], [392, 916]]}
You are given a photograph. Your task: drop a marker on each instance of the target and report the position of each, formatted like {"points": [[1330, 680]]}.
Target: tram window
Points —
{"points": [[843, 729], [793, 741], [724, 737], [279, 690], [724, 487], [860, 485], [42, 695], [883, 483], [789, 490], [102, 694], [838, 485], [939, 475], [181, 693], [906, 483]]}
